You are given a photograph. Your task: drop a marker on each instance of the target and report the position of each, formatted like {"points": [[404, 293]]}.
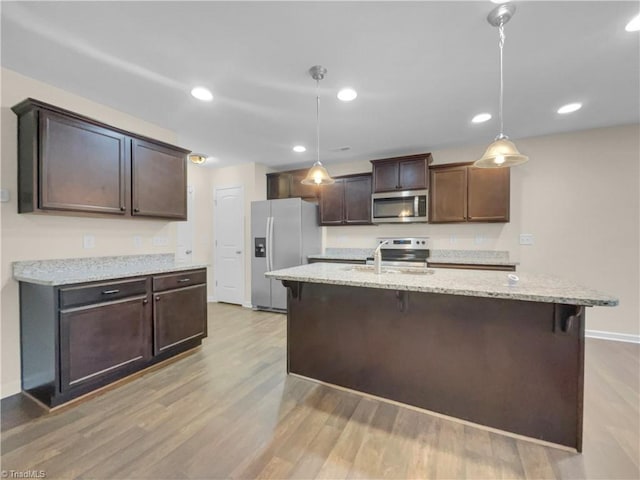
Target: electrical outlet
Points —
{"points": [[526, 239], [160, 241], [5, 195], [88, 241], [479, 239], [137, 241], [453, 239]]}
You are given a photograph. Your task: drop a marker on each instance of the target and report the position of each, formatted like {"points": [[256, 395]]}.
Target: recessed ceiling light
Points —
{"points": [[634, 24], [570, 108], [202, 93], [347, 94], [299, 149], [481, 117]]}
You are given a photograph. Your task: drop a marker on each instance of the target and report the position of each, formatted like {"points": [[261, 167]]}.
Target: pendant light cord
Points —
{"points": [[318, 120], [501, 44]]}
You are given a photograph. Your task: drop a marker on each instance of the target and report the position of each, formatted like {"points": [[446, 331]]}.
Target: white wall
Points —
{"points": [[578, 195], [31, 236]]}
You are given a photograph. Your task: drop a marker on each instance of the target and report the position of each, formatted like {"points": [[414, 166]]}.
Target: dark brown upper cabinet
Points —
{"points": [[68, 163], [463, 193], [159, 179], [347, 201], [287, 185], [401, 173]]}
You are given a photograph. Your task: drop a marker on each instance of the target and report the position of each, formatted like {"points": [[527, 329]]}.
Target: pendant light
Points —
{"points": [[317, 174], [502, 152]]}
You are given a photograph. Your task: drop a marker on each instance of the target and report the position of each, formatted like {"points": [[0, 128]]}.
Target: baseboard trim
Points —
{"points": [[247, 305], [616, 337], [10, 388], [212, 299]]}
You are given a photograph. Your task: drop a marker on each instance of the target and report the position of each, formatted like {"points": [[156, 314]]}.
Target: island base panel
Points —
{"points": [[512, 365]]}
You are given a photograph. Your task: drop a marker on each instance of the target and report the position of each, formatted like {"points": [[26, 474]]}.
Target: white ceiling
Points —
{"points": [[422, 70]]}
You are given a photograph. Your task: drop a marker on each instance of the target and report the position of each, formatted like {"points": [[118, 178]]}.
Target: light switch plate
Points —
{"points": [[5, 195], [88, 241], [137, 241], [526, 239]]}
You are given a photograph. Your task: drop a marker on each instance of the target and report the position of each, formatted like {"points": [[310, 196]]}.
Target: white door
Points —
{"points": [[229, 244], [184, 243]]}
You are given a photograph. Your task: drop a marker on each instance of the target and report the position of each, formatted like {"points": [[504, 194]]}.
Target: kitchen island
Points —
{"points": [[461, 343]]}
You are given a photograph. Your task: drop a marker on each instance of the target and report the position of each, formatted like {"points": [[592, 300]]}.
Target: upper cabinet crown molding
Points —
{"points": [[69, 163]]}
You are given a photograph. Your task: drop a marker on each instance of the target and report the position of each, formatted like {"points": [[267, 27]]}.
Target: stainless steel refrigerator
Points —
{"points": [[283, 233]]}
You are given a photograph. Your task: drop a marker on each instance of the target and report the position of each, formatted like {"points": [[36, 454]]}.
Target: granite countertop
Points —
{"points": [[355, 254], [456, 257], [79, 270], [471, 257], [477, 283]]}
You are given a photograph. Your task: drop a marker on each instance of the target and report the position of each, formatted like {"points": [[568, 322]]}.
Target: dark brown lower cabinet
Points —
{"points": [[77, 338], [179, 315], [98, 341]]}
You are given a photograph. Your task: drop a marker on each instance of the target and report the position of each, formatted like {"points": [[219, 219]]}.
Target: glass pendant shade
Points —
{"points": [[501, 153], [318, 175]]}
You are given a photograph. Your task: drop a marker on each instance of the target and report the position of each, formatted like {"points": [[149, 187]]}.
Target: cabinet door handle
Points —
{"points": [[136, 210], [182, 280], [110, 292], [122, 209], [157, 298], [145, 301]]}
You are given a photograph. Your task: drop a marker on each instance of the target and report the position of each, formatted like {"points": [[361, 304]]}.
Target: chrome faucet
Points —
{"points": [[377, 257]]}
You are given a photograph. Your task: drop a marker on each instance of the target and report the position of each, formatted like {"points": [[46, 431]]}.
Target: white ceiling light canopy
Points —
{"points": [[481, 118], [202, 93], [634, 24], [570, 108], [347, 94], [299, 148], [317, 174], [502, 152]]}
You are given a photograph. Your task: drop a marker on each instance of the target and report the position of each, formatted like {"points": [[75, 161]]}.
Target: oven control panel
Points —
{"points": [[406, 243]]}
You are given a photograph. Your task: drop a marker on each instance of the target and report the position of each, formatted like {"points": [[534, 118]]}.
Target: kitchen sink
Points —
{"points": [[401, 270]]}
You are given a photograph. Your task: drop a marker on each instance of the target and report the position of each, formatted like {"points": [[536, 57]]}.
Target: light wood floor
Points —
{"points": [[230, 411]]}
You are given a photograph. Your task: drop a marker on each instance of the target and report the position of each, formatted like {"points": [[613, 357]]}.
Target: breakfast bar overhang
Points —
{"points": [[461, 343]]}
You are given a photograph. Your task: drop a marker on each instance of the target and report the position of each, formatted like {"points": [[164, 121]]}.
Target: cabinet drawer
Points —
{"points": [[178, 280], [102, 292]]}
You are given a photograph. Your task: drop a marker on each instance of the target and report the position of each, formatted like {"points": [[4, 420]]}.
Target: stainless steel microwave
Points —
{"points": [[400, 207]]}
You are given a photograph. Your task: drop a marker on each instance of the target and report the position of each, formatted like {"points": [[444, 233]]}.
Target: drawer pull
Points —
{"points": [[182, 280], [110, 292]]}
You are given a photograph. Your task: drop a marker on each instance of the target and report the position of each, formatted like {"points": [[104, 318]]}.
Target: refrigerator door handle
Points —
{"points": [[269, 244]]}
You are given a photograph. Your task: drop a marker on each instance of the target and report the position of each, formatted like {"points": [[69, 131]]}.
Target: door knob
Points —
{"points": [[188, 252], [238, 252]]}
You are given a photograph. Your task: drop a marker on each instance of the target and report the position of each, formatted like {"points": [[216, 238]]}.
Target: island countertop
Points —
{"points": [[531, 287], [80, 270]]}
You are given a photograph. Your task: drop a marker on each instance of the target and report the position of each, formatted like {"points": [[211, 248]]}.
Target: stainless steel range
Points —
{"points": [[406, 251]]}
